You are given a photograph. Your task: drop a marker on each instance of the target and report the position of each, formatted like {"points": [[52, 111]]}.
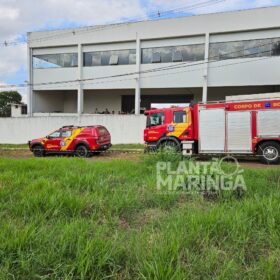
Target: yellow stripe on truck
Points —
{"points": [[68, 140]]}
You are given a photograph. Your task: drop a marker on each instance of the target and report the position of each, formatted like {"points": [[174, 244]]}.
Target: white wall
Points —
{"points": [[166, 28], [51, 101], [124, 129], [15, 110], [102, 100]]}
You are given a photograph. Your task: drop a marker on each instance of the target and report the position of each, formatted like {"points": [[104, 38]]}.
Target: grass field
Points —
{"points": [[68, 218]]}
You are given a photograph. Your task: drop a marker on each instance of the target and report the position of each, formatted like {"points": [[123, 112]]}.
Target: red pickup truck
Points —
{"points": [[76, 140]]}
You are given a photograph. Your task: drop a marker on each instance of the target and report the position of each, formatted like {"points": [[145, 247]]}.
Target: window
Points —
{"points": [[180, 117], [55, 60], [55, 134], [66, 133], [173, 54], [166, 54], [105, 58], [245, 49], [156, 119], [177, 56], [147, 55], [102, 131], [275, 47], [114, 59], [156, 57]]}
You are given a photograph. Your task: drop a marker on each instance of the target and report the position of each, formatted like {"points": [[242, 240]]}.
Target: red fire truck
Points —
{"points": [[234, 127]]}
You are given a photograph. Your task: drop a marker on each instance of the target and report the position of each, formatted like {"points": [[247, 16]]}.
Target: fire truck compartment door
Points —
{"points": [[239, 132], [268, 123], [212, 131]]}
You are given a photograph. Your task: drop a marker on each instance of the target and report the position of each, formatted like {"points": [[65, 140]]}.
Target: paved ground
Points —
{"points": [[133, 155]]}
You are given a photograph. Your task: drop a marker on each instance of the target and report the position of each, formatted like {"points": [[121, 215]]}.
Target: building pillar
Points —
{"points": [[205, 71], [137, 79], [80, 100], [30, 81], [80, 95]]}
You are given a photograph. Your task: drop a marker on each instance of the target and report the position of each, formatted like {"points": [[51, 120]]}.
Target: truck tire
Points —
{"points": [[82, 151], [269, 152], [38, 151], [170, 146]]}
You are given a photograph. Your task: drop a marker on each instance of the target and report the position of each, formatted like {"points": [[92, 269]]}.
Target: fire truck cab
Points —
{"points": [[239, 127]]}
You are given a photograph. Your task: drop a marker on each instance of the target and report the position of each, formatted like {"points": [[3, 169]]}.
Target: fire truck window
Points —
{"points": [[66, 133], [55, 134], [180, 117], [156, 119]]}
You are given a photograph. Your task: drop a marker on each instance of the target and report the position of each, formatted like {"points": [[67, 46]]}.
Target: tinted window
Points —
{"points": [[247, 49], [102, 131], [156, 119], [103, 58], [66, 133], [177, 56], [55, 60], [55, 134], [156, 57], [275, 47], [173, 54], [180, 117]]}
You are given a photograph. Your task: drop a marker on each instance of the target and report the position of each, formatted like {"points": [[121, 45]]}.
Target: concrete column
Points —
{"points": [[30, 81], [80, 89], [80, 100], [205, 71], [137, 79]]}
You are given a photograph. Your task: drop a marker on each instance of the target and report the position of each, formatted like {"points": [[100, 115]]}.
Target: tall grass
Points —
{"points": [[67, 218]]}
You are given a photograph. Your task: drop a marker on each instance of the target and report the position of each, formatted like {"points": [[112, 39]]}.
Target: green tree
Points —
{"points": [[6, 98]]}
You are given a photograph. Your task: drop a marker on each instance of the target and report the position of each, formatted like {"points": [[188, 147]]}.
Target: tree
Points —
{"points": [[6, 98]]}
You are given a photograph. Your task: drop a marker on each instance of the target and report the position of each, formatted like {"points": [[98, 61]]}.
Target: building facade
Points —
{"points": [[124, 68]]}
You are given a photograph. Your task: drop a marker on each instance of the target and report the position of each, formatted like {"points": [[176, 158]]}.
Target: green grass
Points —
{"points": [[67, 218]]}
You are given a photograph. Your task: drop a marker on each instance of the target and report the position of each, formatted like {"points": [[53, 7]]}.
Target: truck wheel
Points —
{"points": [[38, 151], [169, 146], [269, 152], [82, 151]]}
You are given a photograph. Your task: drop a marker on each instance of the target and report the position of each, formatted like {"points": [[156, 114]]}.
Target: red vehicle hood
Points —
{"points": [[38, 140]]}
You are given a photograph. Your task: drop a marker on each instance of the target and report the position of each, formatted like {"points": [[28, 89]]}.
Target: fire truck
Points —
{"points": [[234, 127]]}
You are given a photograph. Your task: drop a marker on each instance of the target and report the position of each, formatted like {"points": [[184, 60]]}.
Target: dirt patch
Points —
{"points": [[117, 155], [254, 163], [122, 155], [20, 154], [109, 155]]}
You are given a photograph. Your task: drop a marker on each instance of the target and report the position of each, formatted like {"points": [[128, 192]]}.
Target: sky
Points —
{"points": [[17, 17]]}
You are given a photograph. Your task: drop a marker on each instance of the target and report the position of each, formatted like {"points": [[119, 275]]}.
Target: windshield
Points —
{"points": [[155, 119], [55, 134]]}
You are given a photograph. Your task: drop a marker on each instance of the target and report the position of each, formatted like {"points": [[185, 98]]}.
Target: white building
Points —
{"points": [[125, 67]]}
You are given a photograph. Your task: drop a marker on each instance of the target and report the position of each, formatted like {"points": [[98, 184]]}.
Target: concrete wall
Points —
{"points": [[124, 129], [241, 21], [16, 110], [55, 101], [111, 100]]}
